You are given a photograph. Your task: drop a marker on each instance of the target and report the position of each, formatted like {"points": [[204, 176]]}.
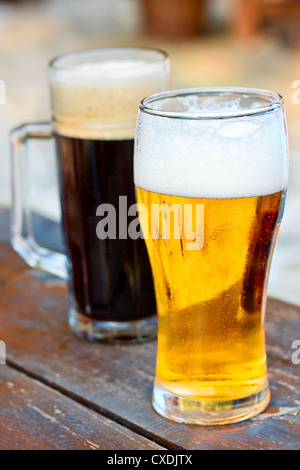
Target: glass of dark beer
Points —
{"points": [[95, 96]]}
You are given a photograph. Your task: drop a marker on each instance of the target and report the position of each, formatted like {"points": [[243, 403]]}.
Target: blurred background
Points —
{"points": [[248, 43]]}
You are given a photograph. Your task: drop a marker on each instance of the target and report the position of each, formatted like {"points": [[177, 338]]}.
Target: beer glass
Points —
{"points": [[211, 171], [95, 96]]}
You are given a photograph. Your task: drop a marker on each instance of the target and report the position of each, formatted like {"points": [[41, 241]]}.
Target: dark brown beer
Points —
{"points": [[110, 279], [95, 96]]}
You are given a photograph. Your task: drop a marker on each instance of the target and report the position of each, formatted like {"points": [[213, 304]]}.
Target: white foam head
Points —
{"points": [[95, 94], [212, 144]]}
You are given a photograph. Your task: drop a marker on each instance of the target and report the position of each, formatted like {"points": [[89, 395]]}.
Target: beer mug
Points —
{"points": [[211, 171], [95, 96]]}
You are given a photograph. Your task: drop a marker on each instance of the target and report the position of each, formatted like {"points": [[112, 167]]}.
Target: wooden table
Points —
{"points": [[59, 392]]}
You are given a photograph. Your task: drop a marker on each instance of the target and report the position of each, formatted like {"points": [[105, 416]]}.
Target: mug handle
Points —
{"points": [[22, 237]]}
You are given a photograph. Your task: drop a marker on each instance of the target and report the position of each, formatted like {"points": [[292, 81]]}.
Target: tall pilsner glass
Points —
{"points": [[211, 171]]}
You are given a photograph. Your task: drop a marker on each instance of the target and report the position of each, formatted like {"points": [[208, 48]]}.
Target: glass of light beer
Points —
{"points": [[95, 96], [211, 172]]}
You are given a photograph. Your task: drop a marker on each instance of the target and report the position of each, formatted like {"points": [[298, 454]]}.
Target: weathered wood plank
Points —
{"points": [[35, 417], [117, 380]]}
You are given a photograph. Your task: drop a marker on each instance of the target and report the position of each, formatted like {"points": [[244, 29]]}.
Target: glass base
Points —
{"points": [[207, 413], [138, 331]]}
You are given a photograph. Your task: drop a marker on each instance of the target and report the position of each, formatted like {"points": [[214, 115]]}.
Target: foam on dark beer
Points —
{"points": [[100, 101], [210, 158]]}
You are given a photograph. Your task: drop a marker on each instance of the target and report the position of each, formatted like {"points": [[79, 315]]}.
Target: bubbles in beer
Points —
{"points": [[199, 153]]}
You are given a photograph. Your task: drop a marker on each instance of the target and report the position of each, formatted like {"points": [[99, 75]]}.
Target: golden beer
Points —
{"points": [[211, 343], [211, 172]]}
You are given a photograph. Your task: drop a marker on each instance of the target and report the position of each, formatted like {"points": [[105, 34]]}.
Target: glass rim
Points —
{"points": [[276, 103], [55, 63]]}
